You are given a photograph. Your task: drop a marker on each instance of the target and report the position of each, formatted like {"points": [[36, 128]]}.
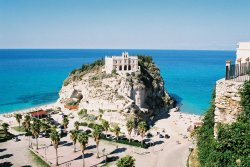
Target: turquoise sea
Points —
{"points": [[33, 77]]}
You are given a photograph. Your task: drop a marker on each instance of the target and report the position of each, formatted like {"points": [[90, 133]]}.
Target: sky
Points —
{"points": [[129, 24]]}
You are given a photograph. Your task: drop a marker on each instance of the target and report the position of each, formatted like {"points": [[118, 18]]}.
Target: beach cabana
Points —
{"points": [[39, 114]]}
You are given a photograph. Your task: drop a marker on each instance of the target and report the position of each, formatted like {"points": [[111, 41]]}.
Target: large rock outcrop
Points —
{"points": [[140, 93]]}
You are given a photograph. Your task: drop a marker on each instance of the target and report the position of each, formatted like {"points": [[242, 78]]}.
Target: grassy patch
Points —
{"points": [[19, 129], [38, 160], [122, 141]]}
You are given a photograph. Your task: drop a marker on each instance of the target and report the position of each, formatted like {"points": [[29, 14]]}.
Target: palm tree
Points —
{"points": [[45, 127], [26, 123], [18, 118], [54, 136], [97, 136], [65, 122], [28, 134], [76, 125], [35, 129], [73, 136], [105, 125], [117, 130], [142, 126], [130, 126], [83, 140], [5, 128]]}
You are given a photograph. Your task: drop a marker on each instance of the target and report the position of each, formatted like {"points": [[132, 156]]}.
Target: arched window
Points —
{"points": [[129, 67], [120, 68], [125, 67]]}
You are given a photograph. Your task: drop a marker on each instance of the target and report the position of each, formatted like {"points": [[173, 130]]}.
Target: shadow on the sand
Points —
{"points": [[68, 144], [87, 155], [6, 164], [109, 159], [165, 114], [62, 142], [90, 147], [162, 115], [158, 142], [118, 150], [2, 150], [6, 156]]}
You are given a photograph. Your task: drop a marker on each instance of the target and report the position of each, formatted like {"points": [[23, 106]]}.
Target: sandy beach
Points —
{"points": [[175, 124]]}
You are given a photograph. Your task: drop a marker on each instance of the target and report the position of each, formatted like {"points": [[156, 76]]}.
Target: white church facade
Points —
{"points": [[121, 64]]}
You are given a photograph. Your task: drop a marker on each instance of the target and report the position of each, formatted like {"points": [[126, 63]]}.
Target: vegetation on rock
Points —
{"points": [[77, 74], [232, 145]]}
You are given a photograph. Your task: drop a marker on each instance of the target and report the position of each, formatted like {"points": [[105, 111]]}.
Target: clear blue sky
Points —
{"points": [[148, 24]]}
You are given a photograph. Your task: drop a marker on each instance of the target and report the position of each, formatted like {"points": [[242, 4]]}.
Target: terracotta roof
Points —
{"points": [[38, 113]]}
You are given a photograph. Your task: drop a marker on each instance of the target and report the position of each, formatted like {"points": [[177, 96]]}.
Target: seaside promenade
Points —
{"points": [[162, 154]]}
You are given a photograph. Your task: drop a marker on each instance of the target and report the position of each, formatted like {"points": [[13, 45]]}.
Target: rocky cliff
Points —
{"points": [[227, 102], [141, 93]]}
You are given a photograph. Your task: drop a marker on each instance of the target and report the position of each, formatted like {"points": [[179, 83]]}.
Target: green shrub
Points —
{"points": [[82, 112], [91, 125], [232, 145], [83, 124], [126, 141], [127, 161]]}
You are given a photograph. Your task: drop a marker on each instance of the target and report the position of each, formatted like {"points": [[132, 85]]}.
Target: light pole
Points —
{"points": [[104, 156], [45, 151]]}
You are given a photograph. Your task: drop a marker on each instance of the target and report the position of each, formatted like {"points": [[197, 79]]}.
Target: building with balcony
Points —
{"points": [[241, 69]]}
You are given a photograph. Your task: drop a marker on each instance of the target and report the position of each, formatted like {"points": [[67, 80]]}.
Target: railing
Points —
{"points": [[237, 72]]}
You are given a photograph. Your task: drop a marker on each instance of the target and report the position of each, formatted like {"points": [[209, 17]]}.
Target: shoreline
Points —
{"points": [[5, 117], [31, 109], [55, 104]]}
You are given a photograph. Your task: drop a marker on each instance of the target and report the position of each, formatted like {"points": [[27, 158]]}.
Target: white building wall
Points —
{"points": [[122, 64], [108, 65], [243, 51]]}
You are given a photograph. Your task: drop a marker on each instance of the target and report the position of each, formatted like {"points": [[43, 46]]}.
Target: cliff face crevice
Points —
{"points": [[91, 88]]}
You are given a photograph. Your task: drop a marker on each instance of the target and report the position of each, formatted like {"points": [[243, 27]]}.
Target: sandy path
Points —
{"points": [[174, 156], [16, 155]]}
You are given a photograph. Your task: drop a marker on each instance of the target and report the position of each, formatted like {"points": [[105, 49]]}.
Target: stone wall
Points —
{"points": [[227, 102]]}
